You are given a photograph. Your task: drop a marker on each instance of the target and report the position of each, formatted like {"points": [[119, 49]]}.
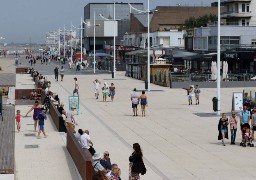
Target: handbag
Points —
{"points": [[92, 150]]}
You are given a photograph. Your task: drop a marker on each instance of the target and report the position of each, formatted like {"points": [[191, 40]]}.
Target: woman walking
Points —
{"points": [[136, 165], [96, 88], [105, 91], [112, 91], [233, 126], [223, 128], [62, 73], [143, 103], [37, 110]]}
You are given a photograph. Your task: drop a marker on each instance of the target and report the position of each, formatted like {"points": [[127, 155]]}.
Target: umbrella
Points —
{"points": [[102, 55]]}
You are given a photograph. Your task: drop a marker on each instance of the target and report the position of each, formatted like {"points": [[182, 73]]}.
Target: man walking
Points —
{"points": [[76, 87], [135, 102], [197, 92], [56, 73]]}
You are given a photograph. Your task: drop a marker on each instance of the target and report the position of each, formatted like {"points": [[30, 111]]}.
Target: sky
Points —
{"points": [[25, 21]]}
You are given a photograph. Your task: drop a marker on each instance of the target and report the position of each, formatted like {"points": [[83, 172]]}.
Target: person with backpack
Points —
{"points": [[41, 117]]}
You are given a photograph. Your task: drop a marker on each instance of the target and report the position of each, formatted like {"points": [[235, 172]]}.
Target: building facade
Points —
{"points": [[239, 12]]}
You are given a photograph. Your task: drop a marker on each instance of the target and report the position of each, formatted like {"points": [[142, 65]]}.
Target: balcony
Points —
{"points": [[236, 14], [234, 1]]}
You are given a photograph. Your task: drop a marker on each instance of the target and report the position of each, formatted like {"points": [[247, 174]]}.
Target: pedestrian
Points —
{"points": [[31, 62], [18, 115], [253, 122], [233, 126], [197, 92], [42, 117], [96, 88], [76, 87], [70, 120], [136, 165], [61, 108], [135, 102], [244, 116], [56, 73], [189, 94], [37, 110], [223, 128], [105, 91], [112, 91], [143, 102], [62, 73]]}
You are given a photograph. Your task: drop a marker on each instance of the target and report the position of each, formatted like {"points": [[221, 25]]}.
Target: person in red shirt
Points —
{"points": [[17, 117]]}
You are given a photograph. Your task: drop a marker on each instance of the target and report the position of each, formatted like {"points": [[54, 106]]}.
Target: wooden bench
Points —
{"points": [[57, 118], [25, 94], [7, 140], [22, 70], [81, 157]]}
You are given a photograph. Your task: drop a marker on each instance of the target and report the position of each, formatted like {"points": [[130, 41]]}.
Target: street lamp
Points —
{"points": [[148, 45], [94, 48], [114, 44], [218, 61]]}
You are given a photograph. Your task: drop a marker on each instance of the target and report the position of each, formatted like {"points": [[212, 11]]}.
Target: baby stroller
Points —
{"points": [[246, 135]]}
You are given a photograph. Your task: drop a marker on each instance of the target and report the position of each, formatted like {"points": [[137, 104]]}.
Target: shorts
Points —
{"points": [[197, 96], [112, 93], [75, 91], [134, 105], [96, 91], [224, 130], [189, 97], [41, 127], [105, 93]]}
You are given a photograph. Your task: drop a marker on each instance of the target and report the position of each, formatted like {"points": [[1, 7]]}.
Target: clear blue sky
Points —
{"points": [[22, 21]]}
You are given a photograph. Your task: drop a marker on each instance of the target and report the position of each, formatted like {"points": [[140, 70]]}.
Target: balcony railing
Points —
{"points": [[233, 1]]}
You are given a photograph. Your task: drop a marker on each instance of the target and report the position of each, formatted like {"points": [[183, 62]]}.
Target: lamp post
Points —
{"points": [[94, 48], [218, 62], [64, 53], [114, 43], [148, 45], [81, 36], [59, 43]]}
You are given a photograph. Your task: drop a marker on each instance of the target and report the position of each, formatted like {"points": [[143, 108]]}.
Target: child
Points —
{"points": [[18, 119], [41, 117]]}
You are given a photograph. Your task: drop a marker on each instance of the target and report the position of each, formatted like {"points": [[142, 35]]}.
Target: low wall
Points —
{"points": [[81, 157], [224, 84], [57, 118], [21, 70], [25, 93]]}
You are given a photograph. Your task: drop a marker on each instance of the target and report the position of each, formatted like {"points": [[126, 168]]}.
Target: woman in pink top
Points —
{"points": [[233, 126]]}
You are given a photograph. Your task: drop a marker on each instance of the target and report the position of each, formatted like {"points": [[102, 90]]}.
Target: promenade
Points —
{"points": [[178, 141]]}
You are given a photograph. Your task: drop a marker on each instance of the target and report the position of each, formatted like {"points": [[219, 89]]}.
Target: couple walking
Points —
{"points": [[136, 99]]}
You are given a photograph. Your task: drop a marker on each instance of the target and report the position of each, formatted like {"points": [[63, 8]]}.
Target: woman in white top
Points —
{"points": [[62, 73]]}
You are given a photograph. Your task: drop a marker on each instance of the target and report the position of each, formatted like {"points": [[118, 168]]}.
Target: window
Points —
{"points": [[229, 40], [179, 40], [247, 8], [247, 23], [243, 7], [243, 22]]}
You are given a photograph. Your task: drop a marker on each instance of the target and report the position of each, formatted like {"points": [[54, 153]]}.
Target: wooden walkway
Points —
{"points": [[7, 135]]}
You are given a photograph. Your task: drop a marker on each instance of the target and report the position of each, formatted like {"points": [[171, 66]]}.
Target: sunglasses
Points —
{"points": [[106, 154]]}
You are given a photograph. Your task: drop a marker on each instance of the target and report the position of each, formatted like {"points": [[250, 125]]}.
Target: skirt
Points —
{"points": [[133, 176]]}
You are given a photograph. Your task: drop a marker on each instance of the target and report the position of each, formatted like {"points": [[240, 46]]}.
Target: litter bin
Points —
{"points": [[113, 74], [215, 104], [146, 84]]}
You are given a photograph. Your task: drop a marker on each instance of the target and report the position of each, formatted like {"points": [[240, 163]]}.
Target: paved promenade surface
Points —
{"points": [[178, 141]]}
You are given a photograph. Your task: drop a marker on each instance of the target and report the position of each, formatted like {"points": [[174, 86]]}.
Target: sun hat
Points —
{"points": [[97, 156]]}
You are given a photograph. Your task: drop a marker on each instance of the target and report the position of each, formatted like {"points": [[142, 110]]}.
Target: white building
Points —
{"points": [[165, 39], [205, 38], [239, 12]]}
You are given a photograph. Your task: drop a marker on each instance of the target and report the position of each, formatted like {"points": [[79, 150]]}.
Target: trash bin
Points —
{"points": [[215, 104], [146, 84], [113, 74]]}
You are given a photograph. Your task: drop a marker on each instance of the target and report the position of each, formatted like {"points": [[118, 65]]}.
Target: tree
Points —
{"points": [[201, 21]]}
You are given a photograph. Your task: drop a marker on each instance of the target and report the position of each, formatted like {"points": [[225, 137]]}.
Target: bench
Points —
{"points": [[25, 94], [7, 140], [22, 70], [57, 118], [81, 157]]}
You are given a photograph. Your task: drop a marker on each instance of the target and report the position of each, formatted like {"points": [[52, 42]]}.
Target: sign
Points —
{"points": [[237, 101], [73, 101]]}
